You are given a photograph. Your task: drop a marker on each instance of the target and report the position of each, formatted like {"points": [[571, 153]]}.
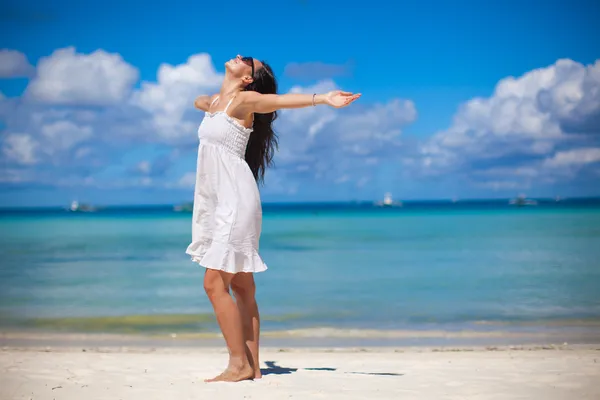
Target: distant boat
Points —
{"points": [[77, 207], [185, 207], [388, 201], [521, 200]]}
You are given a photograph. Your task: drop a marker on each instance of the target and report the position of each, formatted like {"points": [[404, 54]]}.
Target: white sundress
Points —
{"points": [[227, 216]]}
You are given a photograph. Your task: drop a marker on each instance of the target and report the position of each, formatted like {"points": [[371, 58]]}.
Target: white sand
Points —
{"points": [[569, 372]]}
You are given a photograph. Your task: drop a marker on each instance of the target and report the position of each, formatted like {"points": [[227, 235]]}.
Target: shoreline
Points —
{"points": [[584, 347], [311, 337]]}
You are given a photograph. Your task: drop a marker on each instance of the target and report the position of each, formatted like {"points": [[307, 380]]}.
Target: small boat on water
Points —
{"points": [[78, 207], [521, 201], [388, 201], [185, 207]]}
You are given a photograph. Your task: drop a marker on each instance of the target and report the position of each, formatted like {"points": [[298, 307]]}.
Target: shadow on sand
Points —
{"points": [[274, 369]]}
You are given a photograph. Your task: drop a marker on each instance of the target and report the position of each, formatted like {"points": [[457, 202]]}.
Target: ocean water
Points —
{"points": [[425, 266]]}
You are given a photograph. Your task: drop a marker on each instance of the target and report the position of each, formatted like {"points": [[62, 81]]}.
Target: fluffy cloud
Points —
{"points": [[70, 78], [52, 136], [359, 131], [14, 64], [574, 157], [574, 97], [64, 135], [337, 146], [80, 114], [83, 115], [529, 123], [188, 180], [158, 166], [169, 100], [82, 121], [20, 148], [143, 167]]}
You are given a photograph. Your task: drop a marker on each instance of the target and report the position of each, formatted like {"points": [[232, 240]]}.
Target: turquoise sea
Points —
{"points": [[334, 270]]}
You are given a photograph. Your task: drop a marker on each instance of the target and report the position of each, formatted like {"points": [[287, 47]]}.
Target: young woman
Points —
{"points": [[237, 143]]}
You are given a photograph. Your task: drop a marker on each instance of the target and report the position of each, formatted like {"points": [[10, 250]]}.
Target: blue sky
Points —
{"points": [[87, 125]]}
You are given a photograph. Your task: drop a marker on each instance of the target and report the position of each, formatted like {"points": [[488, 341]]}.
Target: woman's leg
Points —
{"points": [[244, 289], [216, 285]]}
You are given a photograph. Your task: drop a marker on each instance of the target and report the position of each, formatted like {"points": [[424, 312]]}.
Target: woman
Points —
{"points": [[237, 143]]}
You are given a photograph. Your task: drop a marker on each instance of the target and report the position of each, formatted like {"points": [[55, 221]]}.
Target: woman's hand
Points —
{"points": [[339, 99]]}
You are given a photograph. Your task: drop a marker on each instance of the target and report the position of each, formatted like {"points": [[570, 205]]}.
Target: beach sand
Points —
{"points": [[515, 372]]}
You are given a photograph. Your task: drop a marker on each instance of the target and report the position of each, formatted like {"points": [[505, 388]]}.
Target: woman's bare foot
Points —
{"points": [[255, 368], [233, 374]]}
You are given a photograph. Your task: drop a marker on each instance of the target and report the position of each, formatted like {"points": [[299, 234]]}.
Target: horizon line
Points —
{"points": [[307, 202]]}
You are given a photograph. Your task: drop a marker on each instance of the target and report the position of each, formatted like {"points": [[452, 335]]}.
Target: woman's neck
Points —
{"points": [[229, 87]]}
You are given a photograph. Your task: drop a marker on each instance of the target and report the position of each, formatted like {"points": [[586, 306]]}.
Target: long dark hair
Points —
{"points": [[263, 140]]}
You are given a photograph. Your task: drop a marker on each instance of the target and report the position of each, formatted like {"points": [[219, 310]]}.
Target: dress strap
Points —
{"points": [[228, 104], [213, 102]]}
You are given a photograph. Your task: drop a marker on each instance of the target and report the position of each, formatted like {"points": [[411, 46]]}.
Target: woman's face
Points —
{"points": [[243, 66]]}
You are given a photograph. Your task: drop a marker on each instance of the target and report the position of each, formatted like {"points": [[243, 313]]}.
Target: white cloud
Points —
{"points": [[14, 64], [144, 167], [63, 135], [341, 146], [70, 78], [573, 157], [574, 99], [20, 148], [298, 128], [354, 140], [187, 180], [527, 119], [52, 136], [369, 129], [83, 118], [278, 183], [314, 141], [173, 94]]}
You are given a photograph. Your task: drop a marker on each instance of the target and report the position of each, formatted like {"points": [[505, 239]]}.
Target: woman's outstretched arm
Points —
{"points": [[267, 103]]}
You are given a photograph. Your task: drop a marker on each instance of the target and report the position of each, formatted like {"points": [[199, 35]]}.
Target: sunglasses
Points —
{"points": [[250, 62]]}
